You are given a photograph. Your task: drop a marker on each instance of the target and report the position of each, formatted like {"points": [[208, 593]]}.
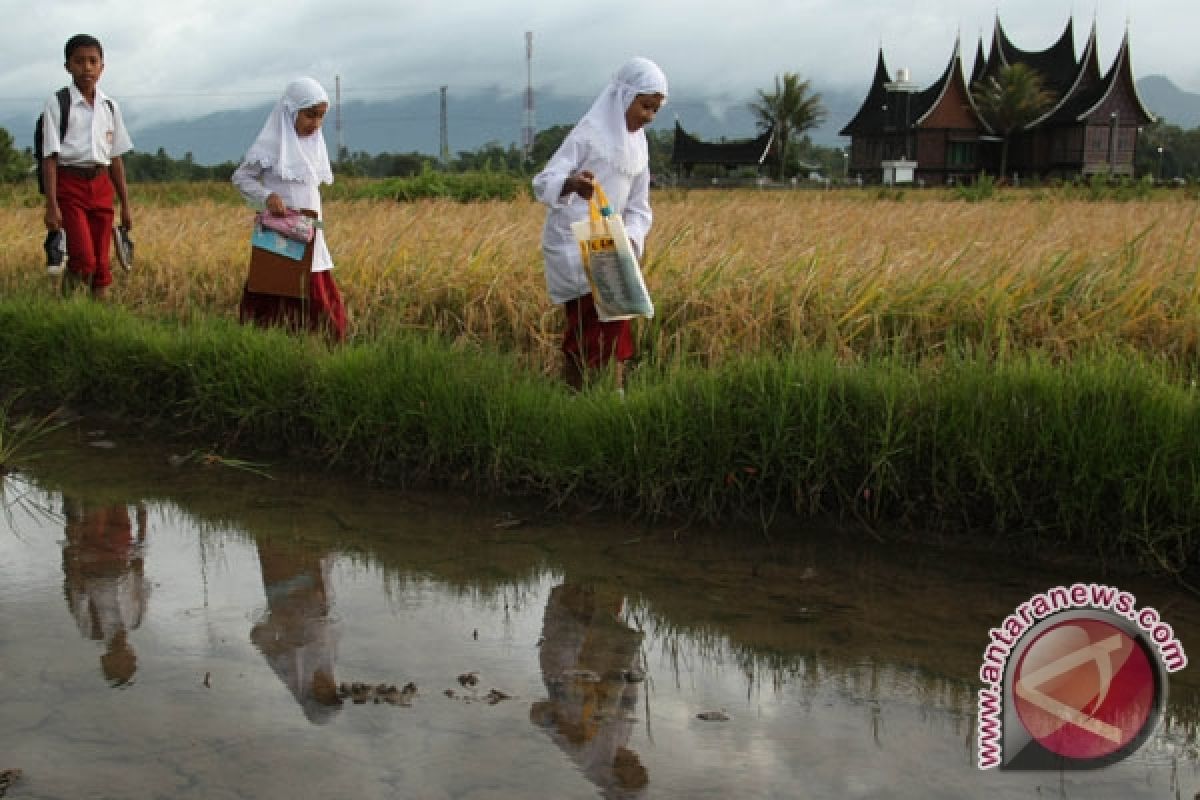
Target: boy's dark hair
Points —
{"points": [[81, 40]]}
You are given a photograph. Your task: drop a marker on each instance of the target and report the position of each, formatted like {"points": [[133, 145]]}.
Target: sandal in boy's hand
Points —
{"points": [[56, 251], [124, 246]]}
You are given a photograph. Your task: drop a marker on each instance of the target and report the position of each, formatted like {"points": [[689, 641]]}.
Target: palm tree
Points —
{"points": [[790, 110], [1009, 100]]}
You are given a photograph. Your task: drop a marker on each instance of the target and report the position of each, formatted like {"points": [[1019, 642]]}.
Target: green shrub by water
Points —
{"points": [[1097, 454]]}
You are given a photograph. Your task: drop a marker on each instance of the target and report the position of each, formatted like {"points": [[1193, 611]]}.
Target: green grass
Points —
{"points": [[463, 187], [1097, 454]]}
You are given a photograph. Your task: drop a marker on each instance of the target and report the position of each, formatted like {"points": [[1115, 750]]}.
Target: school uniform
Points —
{"points": [[619, 160], [293, 167], [96, 134]]}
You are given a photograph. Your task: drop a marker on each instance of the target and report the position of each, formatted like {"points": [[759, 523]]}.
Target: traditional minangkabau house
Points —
{"points": [[689, 152], [937, 136]]}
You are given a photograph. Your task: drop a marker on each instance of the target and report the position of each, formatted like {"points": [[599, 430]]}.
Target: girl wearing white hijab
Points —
{"points": [[283, 169], [609, 146]]}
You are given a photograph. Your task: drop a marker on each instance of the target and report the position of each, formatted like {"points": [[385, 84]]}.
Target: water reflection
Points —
{"points": [[589, 660], [847, 671], [104, 579], [298, 634]]}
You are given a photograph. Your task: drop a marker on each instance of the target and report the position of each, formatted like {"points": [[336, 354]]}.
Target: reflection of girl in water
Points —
{"points": [[589, 664], [103, 580], [297, 635]]}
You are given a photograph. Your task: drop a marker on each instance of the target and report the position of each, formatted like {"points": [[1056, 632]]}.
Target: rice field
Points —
{"points": [[1022, 368], [732, 272]]}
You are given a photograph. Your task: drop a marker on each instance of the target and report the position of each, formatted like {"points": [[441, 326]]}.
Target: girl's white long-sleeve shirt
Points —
{"points": [[629, 196], [257, 184]]}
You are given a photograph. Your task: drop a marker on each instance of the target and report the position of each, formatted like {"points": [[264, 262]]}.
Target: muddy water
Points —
{"points": [[176, 629]]}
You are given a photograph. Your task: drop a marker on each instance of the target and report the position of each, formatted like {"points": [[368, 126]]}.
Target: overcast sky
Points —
{"points": [[180, 58]]}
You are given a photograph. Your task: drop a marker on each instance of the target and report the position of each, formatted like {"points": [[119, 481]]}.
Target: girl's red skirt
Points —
{"points": [[322, 311], [591, 342]]}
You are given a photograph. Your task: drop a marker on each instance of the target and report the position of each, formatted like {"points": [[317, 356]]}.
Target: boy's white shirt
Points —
{"points": [[95, 133]]}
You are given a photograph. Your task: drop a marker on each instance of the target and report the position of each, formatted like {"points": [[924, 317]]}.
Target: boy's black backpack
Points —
{"points": [[64, 111]]}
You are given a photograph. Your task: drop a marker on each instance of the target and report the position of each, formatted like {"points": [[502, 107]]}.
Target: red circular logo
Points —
{"points": [[1084, 689]]}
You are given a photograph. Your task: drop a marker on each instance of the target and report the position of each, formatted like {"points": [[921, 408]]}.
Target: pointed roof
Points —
{"points": [[1086, 90], [980, 65], [1120, 80], [871, 117], [1080, 89], [1057, 64], [928, 100], [690, 150]]}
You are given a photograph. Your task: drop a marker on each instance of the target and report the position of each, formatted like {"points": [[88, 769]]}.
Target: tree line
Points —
{"points": [[17, 165]]}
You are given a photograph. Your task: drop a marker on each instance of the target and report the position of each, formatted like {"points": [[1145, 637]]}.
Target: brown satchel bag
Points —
{"points": [[279, 265]]}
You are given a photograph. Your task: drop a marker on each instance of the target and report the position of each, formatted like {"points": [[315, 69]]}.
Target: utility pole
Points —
{"points": [[444, 138], [1114, 120], [337, 116], [527, 130]]}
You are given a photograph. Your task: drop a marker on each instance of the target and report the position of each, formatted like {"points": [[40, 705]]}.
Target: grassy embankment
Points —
{"points": [[1023, 366]]}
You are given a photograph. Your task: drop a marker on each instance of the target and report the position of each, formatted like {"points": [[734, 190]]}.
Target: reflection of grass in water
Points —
{"points": [[19, 434], [863, 680], [210, 459], [810, 669], [496, 593], [18, 494]]}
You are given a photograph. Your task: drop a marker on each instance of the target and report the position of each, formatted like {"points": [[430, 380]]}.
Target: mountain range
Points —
{"points": [[1169, 102], [478, 118]]}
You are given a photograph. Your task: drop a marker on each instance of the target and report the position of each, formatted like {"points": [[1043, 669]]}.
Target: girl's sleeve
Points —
{"points": [[637, 215], [548, 184], [248, 179]]}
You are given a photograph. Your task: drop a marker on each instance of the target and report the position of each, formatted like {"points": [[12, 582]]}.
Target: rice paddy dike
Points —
{"points": [[1017, 371]]}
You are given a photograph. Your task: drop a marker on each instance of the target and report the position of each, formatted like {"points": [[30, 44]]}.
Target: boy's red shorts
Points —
{"points": [[592, 342]]}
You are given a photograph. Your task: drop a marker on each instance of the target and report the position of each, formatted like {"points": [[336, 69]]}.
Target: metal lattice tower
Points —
{"points": [[527, 130], [443, 137], [337, 115]]}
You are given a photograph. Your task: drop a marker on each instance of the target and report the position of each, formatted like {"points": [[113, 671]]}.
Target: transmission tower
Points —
{"points": [[443, 138], [527, 130], [337, 115]]}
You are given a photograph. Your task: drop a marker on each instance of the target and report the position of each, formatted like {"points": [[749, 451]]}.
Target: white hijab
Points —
{"points": [[604, 123], [278, 148]]}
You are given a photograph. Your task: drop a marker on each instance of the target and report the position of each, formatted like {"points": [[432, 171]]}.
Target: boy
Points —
{"points": [[84, 169]]}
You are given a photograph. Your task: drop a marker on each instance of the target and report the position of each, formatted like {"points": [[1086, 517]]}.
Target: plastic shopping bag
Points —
{"points": [[610, 263]]}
